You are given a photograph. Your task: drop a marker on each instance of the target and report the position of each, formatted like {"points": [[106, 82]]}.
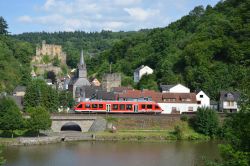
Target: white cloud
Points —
{"points": [[95, 15], [141, 14], [25, 19], [126, 2]]}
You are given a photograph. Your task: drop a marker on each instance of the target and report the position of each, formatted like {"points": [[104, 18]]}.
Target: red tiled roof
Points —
{"points": [[179, 97], [156, 96]]}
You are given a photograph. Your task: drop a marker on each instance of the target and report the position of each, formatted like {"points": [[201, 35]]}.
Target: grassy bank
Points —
{"points": [[153, 134]]}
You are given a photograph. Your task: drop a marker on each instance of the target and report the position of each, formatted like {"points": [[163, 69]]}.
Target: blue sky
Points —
{"points": [[93, 15]]}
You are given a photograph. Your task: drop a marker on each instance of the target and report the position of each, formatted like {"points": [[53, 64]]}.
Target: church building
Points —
{"points": [[80, 78]]}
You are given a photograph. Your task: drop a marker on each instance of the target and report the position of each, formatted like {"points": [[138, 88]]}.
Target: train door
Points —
{"points": [[136, 108], [108, 106]]}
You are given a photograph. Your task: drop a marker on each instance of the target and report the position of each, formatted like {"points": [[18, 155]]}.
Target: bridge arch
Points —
{"points": [[71, 126]]}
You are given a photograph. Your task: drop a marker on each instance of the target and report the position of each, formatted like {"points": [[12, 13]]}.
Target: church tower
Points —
{"points": [[82, 70]]}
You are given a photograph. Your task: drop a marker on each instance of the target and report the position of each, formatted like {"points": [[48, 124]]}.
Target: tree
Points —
{"points": [[206, 121], [10, 116], [38, 93], [39, 119], [66, 99], [2, 160], [3, 26]]}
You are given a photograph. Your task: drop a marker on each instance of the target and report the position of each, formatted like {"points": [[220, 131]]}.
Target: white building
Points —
{"points": [[179, 88], [202, 99], [177, 103], [141, 71]]}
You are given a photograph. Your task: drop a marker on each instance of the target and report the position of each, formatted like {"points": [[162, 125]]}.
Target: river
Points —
{"points": [[111, 154]]}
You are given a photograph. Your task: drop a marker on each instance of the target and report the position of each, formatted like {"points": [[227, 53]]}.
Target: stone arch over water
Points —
{"points": [[71, 126]]}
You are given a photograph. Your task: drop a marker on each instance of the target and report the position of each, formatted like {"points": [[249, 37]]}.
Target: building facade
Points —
{"points": [[141, 71], [229, 101], [110, 81]]}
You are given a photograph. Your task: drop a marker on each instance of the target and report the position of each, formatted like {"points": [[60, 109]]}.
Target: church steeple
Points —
{"points": [[81, 59], [82, 71]]}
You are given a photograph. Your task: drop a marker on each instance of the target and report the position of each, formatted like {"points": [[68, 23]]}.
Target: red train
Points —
{"points": [[118, 107]]}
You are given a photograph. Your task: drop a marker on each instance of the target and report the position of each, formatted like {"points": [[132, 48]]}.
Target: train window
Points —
{"points": [[80, 106], [157, 107], [115, 107], [149, 106], [129, 107], [87, 105], [100, 105], [143, 106], [94, 105], [122, 106]]}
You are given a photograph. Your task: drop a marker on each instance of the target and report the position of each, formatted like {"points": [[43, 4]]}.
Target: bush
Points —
{"points": [[206, 122], [184, 118], [178, 132]]}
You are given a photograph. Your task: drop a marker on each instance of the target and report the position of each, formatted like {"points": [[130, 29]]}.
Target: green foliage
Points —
{"points": [[56, 61], [148, 82], [3, 26], [178, 132], [10, 115], [46, 59], [39, 119], [38, 93], [236, 148], [206, 121], [66, 99], [2, 160], [184, 118]]}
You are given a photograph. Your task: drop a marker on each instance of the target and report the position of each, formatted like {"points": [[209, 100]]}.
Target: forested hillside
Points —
{"points": [[92, 43], [15, 59], [207, 49]]}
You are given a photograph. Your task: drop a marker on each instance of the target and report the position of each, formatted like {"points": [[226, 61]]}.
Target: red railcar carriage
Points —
{"points": [[118, 107]]}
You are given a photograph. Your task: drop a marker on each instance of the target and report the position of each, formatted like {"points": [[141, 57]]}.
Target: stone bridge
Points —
{"points": [[76, 122]]}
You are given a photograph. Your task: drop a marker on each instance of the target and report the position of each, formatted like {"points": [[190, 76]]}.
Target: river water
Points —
{"points": [[111, 154]]}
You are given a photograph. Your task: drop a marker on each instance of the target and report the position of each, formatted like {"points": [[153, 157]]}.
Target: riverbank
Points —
{"points": [[179, 130]]}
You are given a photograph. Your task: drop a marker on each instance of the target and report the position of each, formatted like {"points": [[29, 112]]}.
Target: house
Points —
{"points": [[141, 71], [229, 101], [19, 91], [202, 99], [179, 88], [177, 103]]}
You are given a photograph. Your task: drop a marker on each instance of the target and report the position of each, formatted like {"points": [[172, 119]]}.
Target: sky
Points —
{"points": [[93, 15]]}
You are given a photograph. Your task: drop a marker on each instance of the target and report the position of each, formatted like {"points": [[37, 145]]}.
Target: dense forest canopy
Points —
{"points": [[207, 49]]}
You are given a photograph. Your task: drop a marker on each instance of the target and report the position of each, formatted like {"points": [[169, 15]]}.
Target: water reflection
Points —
{"points": [[111, 153]]}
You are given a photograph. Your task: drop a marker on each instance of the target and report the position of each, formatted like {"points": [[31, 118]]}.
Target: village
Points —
{"points": [[173, 99]]}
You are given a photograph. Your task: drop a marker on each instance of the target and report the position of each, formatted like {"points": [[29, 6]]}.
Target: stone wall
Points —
{"points": [[110, 81]]}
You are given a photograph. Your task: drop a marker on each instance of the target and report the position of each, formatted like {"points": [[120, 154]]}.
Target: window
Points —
{"points": [[87, 105], [149, 106], [115, 106], [80, 106], [198, 102], [100, 105], [143, 106], [157, 107], [201, 96], [122, 106], [129, 107], [94, 105]]}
